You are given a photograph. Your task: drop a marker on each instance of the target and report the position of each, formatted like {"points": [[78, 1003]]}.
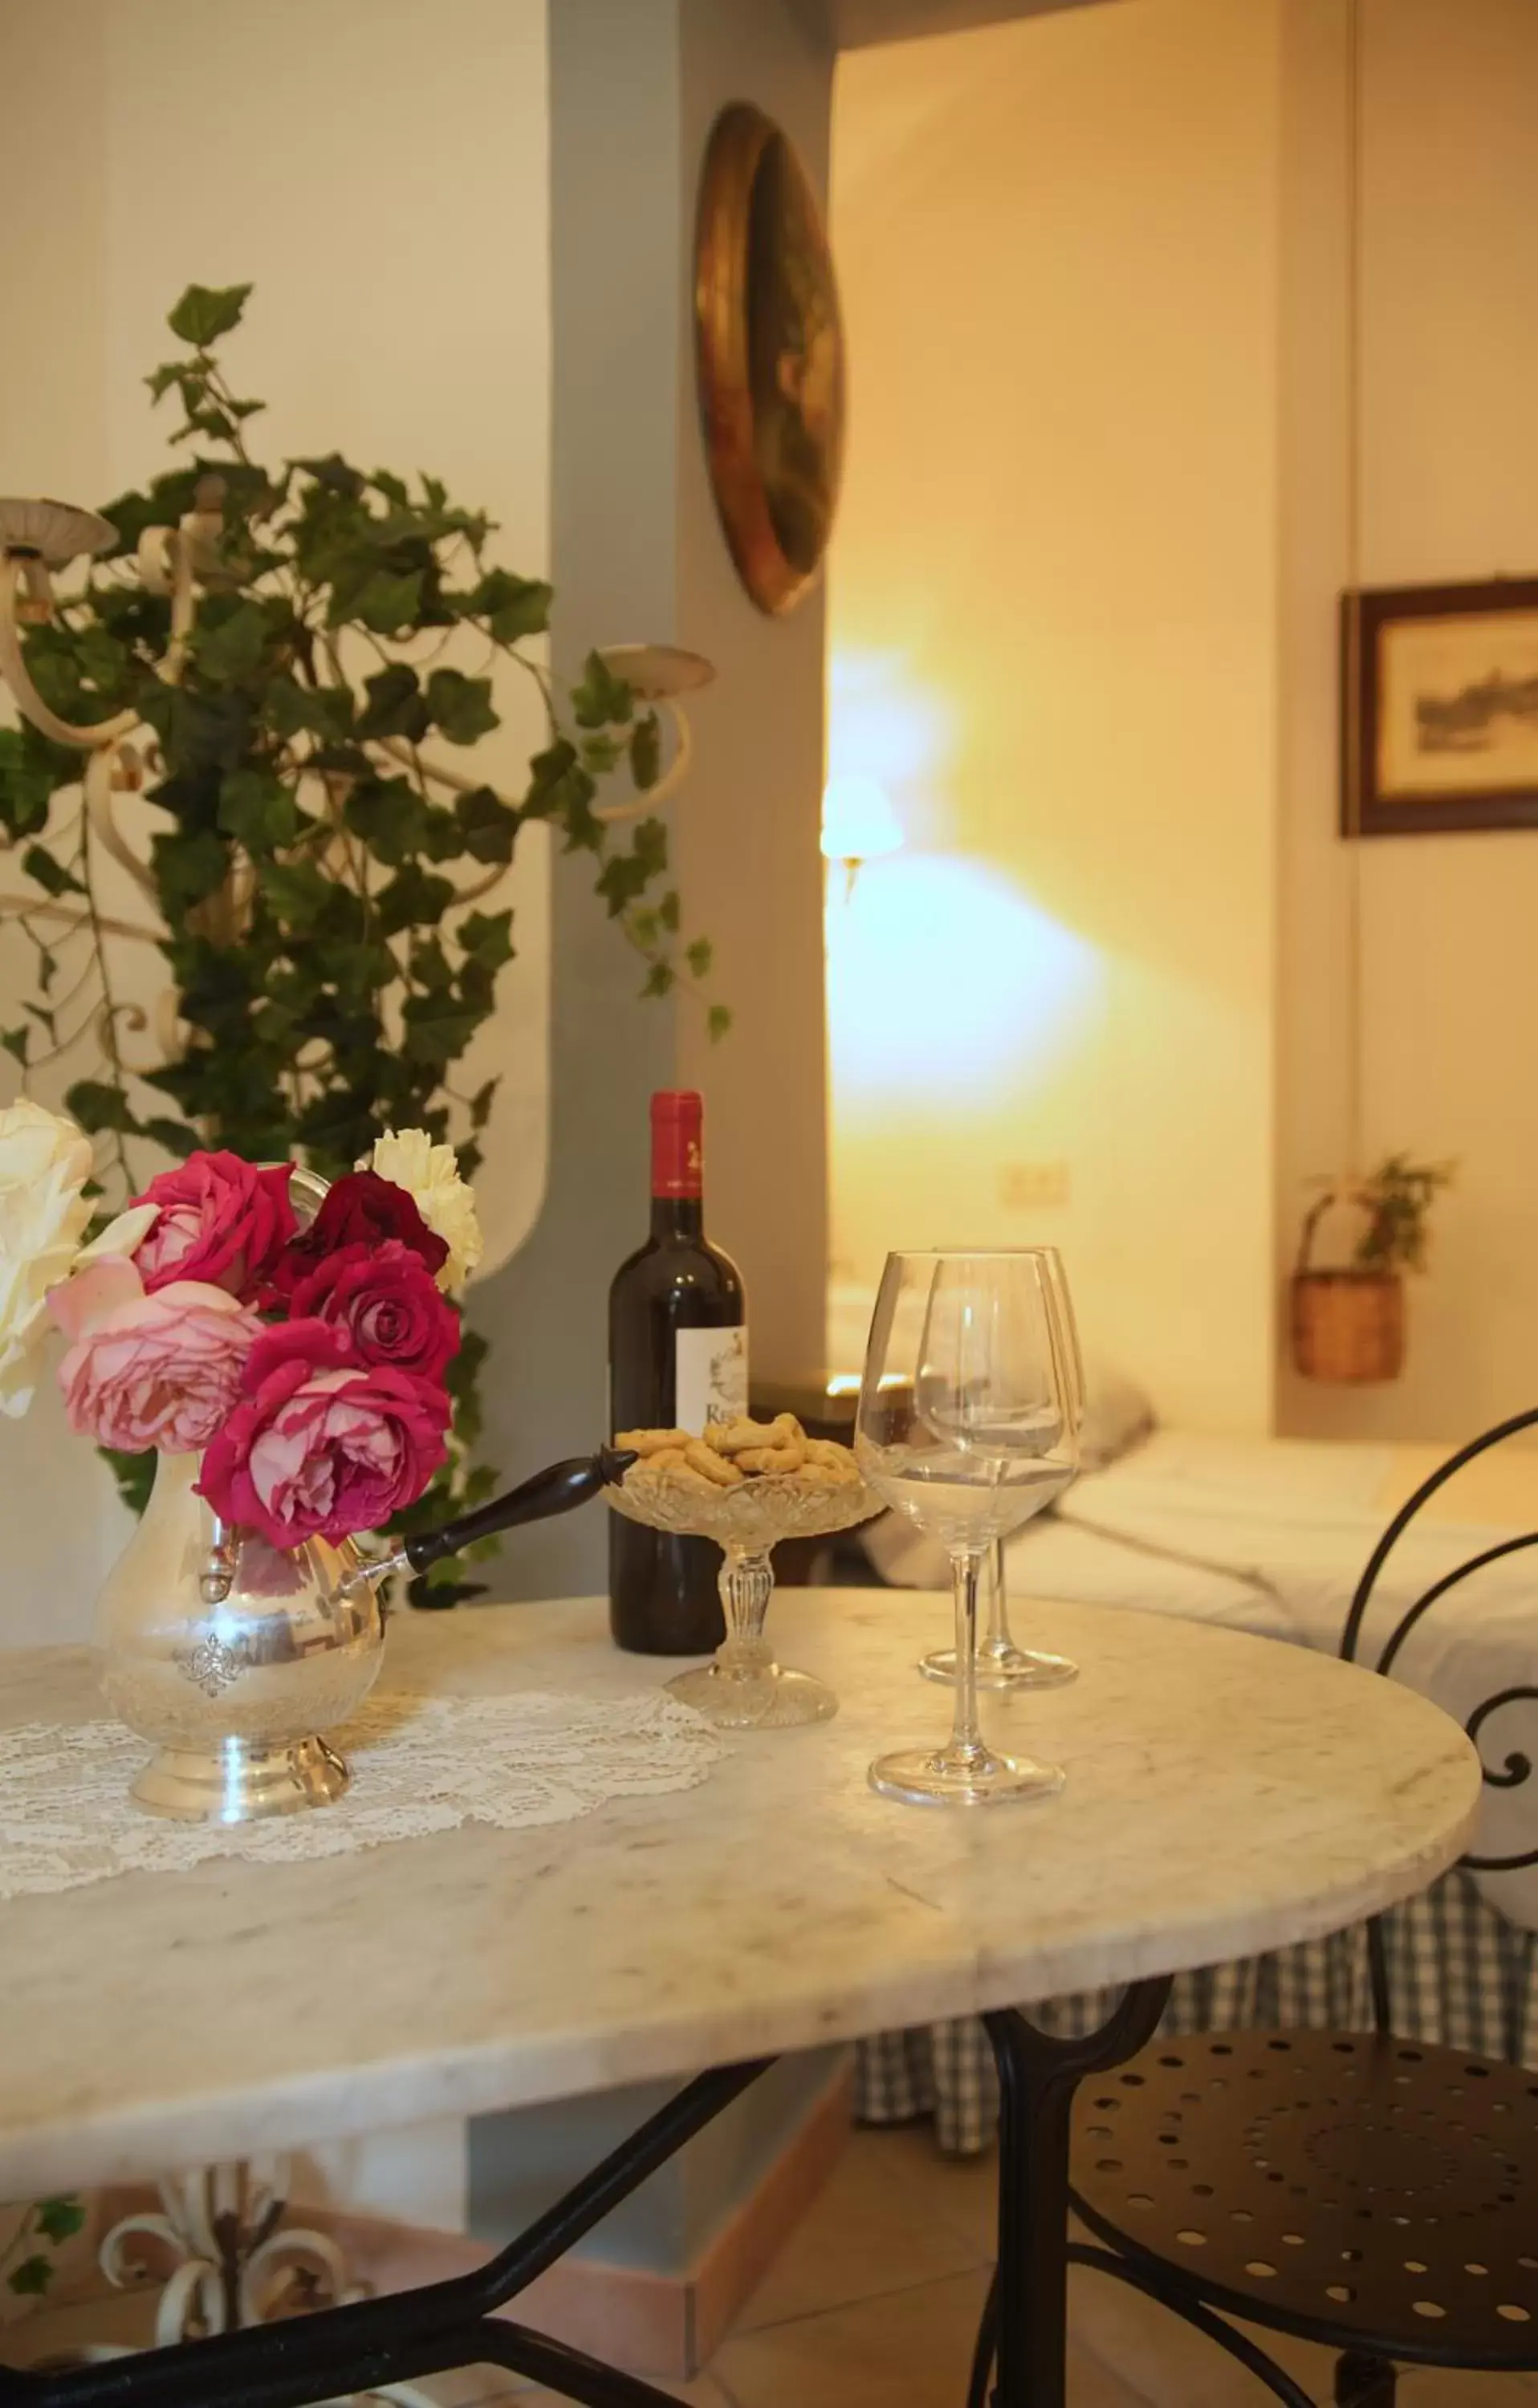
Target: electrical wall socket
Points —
{"points": [[1023, 1186]]}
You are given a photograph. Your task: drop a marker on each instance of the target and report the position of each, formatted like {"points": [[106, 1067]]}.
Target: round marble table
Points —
{"points": [[1224, 1795]]}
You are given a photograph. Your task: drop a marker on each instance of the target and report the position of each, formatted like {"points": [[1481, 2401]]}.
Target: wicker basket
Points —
{"points": [[1348, 1326]]}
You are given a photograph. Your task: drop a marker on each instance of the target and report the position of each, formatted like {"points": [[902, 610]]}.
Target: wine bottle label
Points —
{"points": [[710, 1376]]}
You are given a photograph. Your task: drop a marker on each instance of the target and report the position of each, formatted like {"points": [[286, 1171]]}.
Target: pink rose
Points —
{"points": [[159, 1370], [322, 1445], [388, 1301], [219, 1220]]}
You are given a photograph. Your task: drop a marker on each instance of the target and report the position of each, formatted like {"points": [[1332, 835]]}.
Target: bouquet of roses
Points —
{"points": [[306, 1365]]}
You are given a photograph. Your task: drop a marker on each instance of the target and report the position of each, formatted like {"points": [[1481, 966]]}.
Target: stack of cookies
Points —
{"points": [[731, 1453]]}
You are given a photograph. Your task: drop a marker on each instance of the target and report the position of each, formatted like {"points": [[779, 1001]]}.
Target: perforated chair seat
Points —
{"points": [[1370, 2194]]}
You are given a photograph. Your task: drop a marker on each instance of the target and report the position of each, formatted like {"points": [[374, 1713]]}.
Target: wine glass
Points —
{"points": [[965, 1424], [1001, 1664]]}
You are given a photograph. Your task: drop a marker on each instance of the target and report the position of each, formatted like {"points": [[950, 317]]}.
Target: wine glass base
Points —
{"points": [[1012, 1667], [918, 1776], [755, 1698]]}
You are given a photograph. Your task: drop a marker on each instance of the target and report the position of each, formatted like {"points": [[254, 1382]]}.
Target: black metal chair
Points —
{"points": [[1370, 2193]]}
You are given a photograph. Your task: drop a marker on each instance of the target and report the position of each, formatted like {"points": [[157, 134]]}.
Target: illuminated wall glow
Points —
{"points": [[887, 724], [946, 984], [1053, 614], [858, 822]]}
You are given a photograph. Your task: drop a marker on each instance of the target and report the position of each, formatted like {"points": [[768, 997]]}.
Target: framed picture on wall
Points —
{"points": [[1439, 708], [770, 353]]}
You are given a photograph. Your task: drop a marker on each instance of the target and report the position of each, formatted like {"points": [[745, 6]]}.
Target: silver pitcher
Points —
{"points": [[233, 1657]]}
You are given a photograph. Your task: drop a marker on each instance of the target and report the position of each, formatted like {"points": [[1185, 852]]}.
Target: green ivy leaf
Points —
{"points": [[207, 312], [390, 816], [175, 1136], [290, 708], [430, 967], [659, 980], [668, 912], [228, 648], [189, 868], [256, 807], [27, 779], [297, 891], [512, 607], [32, 2277], [480, 1104], [646, 751], [98, 1106], [559, 787], [335, 475], [384, 602], [436, 1029], [486, 939], [17, 1044], [51, 875], [61, 2219], [133, 1473], [461, 706], [413, 898], [488, 824], [396, 706], [717, 1020], [699, 957], [599, 699]]}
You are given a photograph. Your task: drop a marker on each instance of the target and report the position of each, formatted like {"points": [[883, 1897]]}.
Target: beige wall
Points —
{"points": [[1449, 405], [407, 335], [1053, 627]]}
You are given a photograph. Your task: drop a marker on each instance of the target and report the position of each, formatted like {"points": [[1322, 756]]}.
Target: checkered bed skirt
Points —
{"points": [[1459, 1974]]}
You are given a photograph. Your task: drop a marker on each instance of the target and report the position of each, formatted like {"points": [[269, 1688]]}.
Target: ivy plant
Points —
{"points": [[320, 831], [27, 2265]]}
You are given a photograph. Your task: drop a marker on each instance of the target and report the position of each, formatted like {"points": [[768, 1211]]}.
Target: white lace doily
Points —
{"points": [[420, 1764]]}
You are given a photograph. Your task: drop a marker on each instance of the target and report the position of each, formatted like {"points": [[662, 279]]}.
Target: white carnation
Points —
{"points": [[430, 1175], [44, 1164]]}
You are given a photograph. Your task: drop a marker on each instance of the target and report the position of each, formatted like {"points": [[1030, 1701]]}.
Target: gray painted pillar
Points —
{"points": [[635, 86], [638, 554]]}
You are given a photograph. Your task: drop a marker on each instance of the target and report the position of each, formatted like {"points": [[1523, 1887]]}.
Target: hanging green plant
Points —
{"points": [[321, 872]]}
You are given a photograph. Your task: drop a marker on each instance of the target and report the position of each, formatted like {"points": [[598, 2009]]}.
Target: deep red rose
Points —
{"points": [[221, 1221], [360, 1209], [388, 1302], [322, 1445]]}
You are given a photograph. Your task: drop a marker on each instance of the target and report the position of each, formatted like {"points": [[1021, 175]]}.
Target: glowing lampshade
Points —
{"points": [[858, 822]]}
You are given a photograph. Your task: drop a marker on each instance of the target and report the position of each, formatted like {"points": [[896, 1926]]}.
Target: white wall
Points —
{"points": [[1052, 620], [1449, 404], [380, 170]]}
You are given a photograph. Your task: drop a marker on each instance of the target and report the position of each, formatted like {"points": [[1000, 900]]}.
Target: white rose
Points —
{"points": [[430, 1175], [44, 1164]]}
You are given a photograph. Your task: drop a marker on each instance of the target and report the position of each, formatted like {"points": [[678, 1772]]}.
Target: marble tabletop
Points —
{"points": [[1224, 1795]]}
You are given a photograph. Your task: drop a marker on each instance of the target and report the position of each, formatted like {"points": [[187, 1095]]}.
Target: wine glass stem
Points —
{"points": [[999, 1641], [966, 1745], [746, 1582]]}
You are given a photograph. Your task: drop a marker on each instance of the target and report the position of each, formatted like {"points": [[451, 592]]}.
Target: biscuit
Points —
{"points": [[646, 1442], [718, 1469]]}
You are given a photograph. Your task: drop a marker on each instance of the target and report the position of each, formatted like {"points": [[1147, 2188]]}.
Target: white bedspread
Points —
{"points": [[1271, 1536]]}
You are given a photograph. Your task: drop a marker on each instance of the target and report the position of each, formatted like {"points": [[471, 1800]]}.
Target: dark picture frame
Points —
{"points": [[769, 355], [1439, 708]]}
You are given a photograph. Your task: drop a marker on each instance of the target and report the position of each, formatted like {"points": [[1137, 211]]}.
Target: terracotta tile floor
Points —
{"points": [[874, 2303]]}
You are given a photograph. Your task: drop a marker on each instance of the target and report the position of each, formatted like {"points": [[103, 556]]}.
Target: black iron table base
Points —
{"points": [[443, 2326]]}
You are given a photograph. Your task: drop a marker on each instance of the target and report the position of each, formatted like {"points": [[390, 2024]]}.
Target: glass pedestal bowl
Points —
{"points": [[743, 1688]]}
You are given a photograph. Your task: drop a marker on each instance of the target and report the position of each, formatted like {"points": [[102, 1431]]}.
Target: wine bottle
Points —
{"points": [[678, 1359]]}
